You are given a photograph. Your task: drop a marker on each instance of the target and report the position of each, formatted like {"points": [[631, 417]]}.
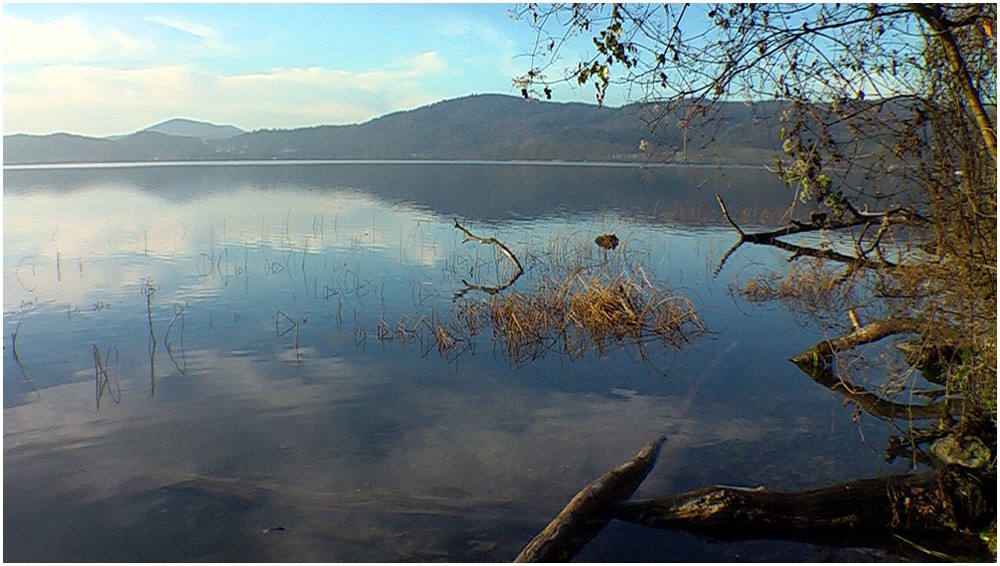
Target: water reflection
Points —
{"points": [[493, 192], [244, 304]]}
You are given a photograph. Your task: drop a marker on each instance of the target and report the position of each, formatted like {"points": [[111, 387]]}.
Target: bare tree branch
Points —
{"points": [[770, 237], [518, 270]]}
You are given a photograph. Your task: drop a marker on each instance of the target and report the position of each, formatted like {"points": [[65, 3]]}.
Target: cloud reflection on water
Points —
{"points": [[290, 412], [340, 436], [71, 245]]}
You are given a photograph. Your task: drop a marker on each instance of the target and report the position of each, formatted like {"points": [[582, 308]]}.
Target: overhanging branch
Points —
{"points": [[858, 218]]}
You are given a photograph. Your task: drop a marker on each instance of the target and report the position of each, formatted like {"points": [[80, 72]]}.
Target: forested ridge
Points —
{"points": [[487, 127]]}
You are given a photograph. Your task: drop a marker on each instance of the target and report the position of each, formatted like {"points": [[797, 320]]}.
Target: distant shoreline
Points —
{"points": [[278, 162]]}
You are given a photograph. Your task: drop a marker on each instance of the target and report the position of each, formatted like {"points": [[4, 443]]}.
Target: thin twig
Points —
{"points": [[725, 213]]}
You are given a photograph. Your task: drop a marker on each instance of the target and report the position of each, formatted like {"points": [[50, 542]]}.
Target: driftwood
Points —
{"points": [[590, 509], [943, 509], [491, 289], [935, 514]]}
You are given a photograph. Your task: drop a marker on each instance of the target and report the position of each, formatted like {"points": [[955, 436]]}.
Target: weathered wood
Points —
{"points": [[938, 506], [866, 334], [590, 509]]}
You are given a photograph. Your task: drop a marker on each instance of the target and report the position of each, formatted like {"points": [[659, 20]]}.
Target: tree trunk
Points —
{"points": [[935, 18]]}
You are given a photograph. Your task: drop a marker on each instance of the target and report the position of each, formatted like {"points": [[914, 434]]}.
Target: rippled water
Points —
{"points": [[193, 367]]}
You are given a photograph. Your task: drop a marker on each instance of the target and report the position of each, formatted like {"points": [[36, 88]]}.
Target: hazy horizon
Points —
{"points": [[102, 70], [213, 122]]}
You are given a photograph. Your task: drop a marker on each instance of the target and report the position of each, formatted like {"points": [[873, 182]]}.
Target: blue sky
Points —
{"points": [[115, 68]]}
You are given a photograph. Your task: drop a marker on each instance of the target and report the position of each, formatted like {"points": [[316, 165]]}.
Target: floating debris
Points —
{"points": [[606, 241]]}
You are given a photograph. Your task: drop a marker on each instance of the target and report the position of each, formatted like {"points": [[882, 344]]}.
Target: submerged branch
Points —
{"points": [[816, 362], [587, 513], [868, 401], [943, 509]]}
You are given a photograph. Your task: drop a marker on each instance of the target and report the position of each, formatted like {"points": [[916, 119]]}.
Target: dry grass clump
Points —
{"points": [[575, 302], [429, 332], [596, 311], [806, 287], [445, 341], [527, 325]]}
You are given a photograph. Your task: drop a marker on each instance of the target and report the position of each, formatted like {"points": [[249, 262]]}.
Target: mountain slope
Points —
{"points": [[194, 129], [479, 127], [56, 148]]}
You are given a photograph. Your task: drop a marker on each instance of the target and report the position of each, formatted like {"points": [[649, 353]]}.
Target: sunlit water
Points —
{"points": [[193, 367]]}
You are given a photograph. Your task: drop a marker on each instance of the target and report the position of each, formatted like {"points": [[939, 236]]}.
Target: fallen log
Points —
{"points": [[938, 514], [945, 509], [590, 509]]}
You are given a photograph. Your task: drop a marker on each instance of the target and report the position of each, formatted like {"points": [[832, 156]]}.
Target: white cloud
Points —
{"points": [[498, 51], [194, 28], [413, 68], [102, 100], [96, 99], [66, 40], [210, 37]]}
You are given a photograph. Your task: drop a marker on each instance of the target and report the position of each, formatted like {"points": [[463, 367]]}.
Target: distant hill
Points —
{"points": [[194, 129], [479, 127]]}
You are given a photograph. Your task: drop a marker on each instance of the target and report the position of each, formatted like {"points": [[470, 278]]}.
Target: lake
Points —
{"points": [[226, 362]]}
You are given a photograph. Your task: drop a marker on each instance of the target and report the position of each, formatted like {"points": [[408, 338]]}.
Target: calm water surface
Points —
{"points": [[251, 412]]}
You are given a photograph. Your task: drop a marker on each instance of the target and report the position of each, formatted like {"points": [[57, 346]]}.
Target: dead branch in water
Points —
{"points": [[942, 508], [817, 363], [870, 402], [857, 218], [873, 332], [587, 513], [518, 270]]}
